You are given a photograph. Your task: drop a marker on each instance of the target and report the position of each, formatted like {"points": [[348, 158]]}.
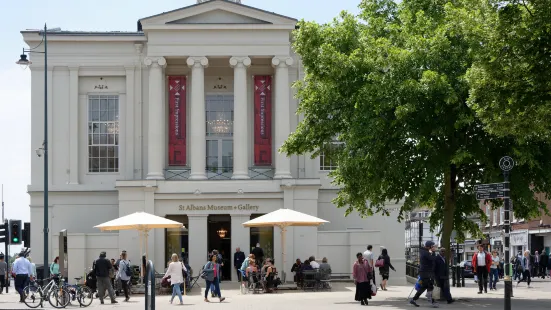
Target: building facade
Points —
{"points": [[183, 119]]}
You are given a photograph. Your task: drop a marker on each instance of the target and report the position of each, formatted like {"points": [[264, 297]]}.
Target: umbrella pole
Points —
{"points": [[283, 258]]}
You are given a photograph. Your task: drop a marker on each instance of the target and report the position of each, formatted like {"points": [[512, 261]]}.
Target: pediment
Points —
{"points": [[219, 17], [215, 12]]}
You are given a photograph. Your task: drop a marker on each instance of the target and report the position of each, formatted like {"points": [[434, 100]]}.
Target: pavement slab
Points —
{"points": [[341, 297]]}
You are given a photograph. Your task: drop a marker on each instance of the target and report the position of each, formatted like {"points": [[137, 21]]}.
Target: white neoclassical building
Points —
{"points": [[183, 119]]}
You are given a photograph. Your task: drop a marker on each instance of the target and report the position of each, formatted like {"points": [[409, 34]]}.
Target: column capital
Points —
{"points": [[282, 61], [197, 61], [155, 61], [240, 61]]}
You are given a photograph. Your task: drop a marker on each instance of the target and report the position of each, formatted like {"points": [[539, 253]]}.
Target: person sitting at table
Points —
{"points": [[252, 272], [297, 267], [271, 276]]}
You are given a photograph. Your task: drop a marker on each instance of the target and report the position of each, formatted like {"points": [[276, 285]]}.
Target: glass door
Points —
{"points": [[219, 133]]}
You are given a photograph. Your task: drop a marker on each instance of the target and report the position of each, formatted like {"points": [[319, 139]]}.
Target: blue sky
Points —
{"points": [[97, 15]]}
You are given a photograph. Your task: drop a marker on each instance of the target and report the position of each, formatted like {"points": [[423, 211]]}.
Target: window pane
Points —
{"points": [[227, 153], [103, 129], [94, 116], [110, 151], [103, 104], [103, 139]]}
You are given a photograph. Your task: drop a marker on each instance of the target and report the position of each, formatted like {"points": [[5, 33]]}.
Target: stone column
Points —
{"points": [[73, 125], [156, 130], [282, 114], [240, 122], [198, 118], [198, 232], [240, 238]]}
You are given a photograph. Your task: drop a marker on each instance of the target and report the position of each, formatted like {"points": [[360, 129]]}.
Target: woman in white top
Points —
{"points": [[175, 272], [494, 273], [124, 265]]}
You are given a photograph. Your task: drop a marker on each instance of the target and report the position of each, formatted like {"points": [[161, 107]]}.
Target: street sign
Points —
{"points": [[491, 195], [492, 187]]}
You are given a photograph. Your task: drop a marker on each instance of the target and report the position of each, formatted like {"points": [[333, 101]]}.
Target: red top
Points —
{"points": [[488, 259]]}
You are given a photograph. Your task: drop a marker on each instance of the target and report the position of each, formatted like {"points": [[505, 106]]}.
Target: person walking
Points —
{"points": [[481, 262], [494, 270], [102, 267], [543, 263], [442, 275], [124, 274], [362, 273], [427, 259], [212, 276], [238, 259], [3, 273], [176, 271], [368, 255], [384, 270], [22, 269], [527, 264]]}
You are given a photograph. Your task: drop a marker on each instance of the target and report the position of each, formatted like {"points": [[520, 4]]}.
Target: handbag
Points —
{"points": [[165, 282], [373, 289], [380, 262]]}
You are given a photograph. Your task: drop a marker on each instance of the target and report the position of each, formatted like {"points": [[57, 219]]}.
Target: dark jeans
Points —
{"points": [[124, 285], [216, 285], [543, 270], [427, 284], [494, 277], [239, 275], [20, 281], [3, 283], [526, 276], [482, 274], [444, 285]]}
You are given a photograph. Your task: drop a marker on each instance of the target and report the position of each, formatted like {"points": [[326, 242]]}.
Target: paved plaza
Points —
{"points": [[342, 297]]}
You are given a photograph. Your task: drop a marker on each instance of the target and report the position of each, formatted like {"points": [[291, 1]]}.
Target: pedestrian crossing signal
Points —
{"points": [[15, 231]]}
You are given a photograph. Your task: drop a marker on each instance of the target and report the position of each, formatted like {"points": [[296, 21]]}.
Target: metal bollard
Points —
{"points": [[453, 276], [462, 279]]}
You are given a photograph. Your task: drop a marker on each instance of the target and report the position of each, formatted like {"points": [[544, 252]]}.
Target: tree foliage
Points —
{"points": [[391, 85], [511, 76]]}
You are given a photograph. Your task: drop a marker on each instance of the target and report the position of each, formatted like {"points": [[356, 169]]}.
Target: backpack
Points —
{"points": [[126, 269]]}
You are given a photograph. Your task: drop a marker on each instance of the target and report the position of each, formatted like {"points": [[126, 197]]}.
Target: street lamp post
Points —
{"points": [[23, 61], [506, 164]]}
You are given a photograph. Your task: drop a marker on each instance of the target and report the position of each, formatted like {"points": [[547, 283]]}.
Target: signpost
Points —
{"points": [[495, 191]]}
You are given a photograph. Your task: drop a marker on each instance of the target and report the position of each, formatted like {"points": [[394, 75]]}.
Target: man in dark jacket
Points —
{"points": [[259, 255], [102, 266], [442, 275], [427, 258], [543, 263], [238, 259]]}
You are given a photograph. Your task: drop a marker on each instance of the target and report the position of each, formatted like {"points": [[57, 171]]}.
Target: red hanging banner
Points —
{"points": [[177, 121], [263, 120]]}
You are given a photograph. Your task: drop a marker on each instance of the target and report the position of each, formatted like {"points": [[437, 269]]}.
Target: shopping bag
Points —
{"points": [[373, 289], [436, 293]]}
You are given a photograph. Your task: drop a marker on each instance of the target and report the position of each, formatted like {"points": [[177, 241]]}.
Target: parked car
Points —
{"points": [[467, 269]]}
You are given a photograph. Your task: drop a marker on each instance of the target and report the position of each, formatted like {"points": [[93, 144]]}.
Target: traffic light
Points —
{"points": [[4, 232], [15, 232], [26, 235]]}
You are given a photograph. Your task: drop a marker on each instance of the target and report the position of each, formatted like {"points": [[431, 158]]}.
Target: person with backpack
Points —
{"points": [[384, 265], [427, 264], [212, 273], [124, 274]]}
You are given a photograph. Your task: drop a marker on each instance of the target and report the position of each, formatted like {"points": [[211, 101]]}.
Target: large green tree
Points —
{"points": [[511, 75], [390, 84]]}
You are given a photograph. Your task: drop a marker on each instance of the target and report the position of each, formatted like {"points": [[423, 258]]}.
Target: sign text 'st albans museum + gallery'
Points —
{"points": [[183, 119]]}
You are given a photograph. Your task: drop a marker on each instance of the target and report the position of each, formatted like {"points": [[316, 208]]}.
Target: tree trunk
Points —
{"points": [[449, 209]]}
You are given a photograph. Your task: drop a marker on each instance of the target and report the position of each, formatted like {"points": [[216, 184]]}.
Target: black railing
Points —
{"points": [[456, 273], [412, 270], [219, 173]]}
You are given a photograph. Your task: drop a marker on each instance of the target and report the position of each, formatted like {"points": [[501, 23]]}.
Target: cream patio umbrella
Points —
{"points": [[284, 218], [142, 222]]}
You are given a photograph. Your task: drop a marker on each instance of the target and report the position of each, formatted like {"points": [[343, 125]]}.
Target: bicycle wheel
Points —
{"points": [[33, 296], [59, 298], [85, 296]]}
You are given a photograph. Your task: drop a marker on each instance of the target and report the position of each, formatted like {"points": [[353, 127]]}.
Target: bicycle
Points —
{"points": [[81, 293], [35, 294]]}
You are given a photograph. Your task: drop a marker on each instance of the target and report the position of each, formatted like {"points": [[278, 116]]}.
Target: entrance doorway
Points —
{"points": [[219, 238]]}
